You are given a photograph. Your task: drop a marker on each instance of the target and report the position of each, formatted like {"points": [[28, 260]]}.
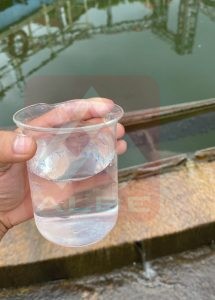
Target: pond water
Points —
{"points": [[140, 53]]}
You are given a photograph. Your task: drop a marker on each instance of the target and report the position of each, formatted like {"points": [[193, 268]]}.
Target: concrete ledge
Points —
{"points": [[165, 213]]}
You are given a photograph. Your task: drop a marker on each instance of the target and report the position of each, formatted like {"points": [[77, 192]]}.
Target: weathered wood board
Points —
{"points": [[170, 212]]}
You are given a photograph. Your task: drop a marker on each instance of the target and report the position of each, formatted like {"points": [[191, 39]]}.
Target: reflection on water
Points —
{"points": [[28, 27], [170, 41], [59, 24]]}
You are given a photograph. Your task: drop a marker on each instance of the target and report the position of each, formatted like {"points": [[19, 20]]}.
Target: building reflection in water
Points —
{"points": [[55, 25]]}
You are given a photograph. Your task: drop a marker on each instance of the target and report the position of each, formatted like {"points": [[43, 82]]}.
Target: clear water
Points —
{"points": [[76, 213], [76, 230]]}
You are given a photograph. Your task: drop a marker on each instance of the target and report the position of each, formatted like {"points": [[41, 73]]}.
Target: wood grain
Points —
{"points": [[158, 115]]}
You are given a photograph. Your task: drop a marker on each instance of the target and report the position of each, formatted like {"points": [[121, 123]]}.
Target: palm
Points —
{"points": [[15, 197]]}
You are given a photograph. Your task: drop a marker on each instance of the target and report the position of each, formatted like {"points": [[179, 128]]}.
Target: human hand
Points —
{"points": [[16, 150]]}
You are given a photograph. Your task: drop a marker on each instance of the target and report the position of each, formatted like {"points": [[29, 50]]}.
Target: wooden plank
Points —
{"points": [[158, 115], [152, 168], [169, 212], [205, 154]]}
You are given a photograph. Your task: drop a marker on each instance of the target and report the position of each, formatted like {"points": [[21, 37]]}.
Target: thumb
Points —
{"points": [[14, 148]]}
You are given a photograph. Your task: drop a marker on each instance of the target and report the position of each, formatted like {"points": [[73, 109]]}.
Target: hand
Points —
{"points": [[16, 150]]}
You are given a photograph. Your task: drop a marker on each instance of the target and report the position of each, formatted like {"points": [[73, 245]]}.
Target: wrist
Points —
{"points": [[3, 229]]}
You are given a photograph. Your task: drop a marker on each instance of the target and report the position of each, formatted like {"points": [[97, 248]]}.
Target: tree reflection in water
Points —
{"points": [[57, 25]]}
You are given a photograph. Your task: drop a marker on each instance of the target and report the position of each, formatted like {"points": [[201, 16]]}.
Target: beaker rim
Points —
{"points": [[117, 113]]}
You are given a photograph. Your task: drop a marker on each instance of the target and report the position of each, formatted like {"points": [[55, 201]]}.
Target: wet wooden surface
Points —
{"points": [[185, 276], [170, 212]]}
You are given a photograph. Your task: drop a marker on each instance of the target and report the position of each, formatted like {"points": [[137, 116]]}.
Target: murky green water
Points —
{"points": [[140, 53]]}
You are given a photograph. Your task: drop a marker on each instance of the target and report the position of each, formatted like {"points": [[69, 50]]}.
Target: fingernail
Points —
{"points": [[22, 144]]}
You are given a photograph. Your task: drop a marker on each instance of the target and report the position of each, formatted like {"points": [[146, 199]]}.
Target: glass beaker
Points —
{"points": [[73, 176]]}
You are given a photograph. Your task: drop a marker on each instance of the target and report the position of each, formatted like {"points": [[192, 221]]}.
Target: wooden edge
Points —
{"points": [[207, 154], [98, 262], [156, 115], [184, 240], [152, 168], [73, 266], [164, 165]]}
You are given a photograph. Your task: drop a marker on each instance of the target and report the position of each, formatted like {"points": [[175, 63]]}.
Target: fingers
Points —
{"points": [[121, 147], [74, 110], [15, 148], [120, 131]]}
